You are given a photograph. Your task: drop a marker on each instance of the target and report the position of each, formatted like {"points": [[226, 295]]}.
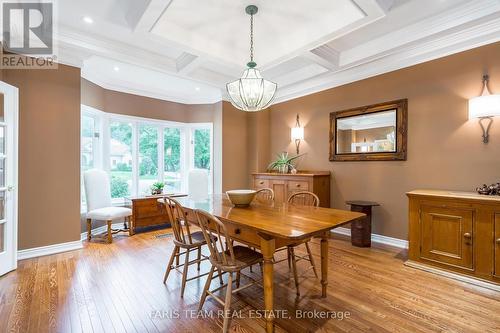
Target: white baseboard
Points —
{"points": [[49, 249], [396, 242], [453, 275], [101, 229]]}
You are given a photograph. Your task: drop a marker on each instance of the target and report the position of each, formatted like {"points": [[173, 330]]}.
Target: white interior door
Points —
{"points": [[8, 177]]}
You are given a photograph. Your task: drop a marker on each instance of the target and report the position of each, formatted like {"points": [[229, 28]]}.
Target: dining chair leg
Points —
{"points": [[289, 258], [238, 278], [311, 259], [170, 262], [205, 289], [177, 259], [219, 272], [251, 266], [294, 269], [185, 272], [89, 229], [199, 257], [110, 234], [227, 304]]}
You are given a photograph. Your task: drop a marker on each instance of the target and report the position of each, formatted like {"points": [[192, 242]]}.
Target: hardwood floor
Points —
{"points": [[118, 288]]}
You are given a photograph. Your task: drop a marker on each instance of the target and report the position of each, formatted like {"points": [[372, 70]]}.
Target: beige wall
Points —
{"points": [[234, 148], [49, 155], [445, 150], [139, 106]]}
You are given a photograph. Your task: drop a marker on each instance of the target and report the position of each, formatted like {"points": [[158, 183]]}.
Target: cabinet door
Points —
{"points": [[279, 188], [447, 236], [497, 246]]}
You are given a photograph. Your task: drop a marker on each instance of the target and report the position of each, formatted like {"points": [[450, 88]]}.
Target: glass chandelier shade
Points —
{"points": [[251, 92]]}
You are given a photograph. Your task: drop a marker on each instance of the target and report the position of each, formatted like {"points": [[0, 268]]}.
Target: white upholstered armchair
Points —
{"points": [[99, 207]]}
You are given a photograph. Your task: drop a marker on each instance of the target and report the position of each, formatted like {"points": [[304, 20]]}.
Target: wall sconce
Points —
{"points": [[297, 134], [485, 107]]}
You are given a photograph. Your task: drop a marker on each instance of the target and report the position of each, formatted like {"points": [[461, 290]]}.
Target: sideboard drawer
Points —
{"points": [[297, 185], [260, 183]]}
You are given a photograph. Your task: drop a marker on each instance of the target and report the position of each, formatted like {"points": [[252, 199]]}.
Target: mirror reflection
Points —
{"points": [[368, 133]]}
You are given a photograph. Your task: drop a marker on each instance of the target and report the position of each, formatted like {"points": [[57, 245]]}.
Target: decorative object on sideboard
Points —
{"points": [[157, 188], [370, 133], [284, 163], [493, 189], [251, 92], [485, 107], [297, 134]]}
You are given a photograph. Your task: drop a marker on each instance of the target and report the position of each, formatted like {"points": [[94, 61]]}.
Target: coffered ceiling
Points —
{"points": [[186, 50]]}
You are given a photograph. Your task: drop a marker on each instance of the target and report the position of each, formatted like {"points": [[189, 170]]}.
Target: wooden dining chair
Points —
{"points": [[265, 196], [302, 198], [225, 258], [184, 239]]}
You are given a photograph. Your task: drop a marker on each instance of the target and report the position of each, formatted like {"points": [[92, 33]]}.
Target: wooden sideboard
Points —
{"points": [[455, 231], [284, 185]]}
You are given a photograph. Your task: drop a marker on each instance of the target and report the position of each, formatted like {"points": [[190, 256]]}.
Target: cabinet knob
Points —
{"points": [[298, 185], [467, 235], [498, 241], [261, 182]]}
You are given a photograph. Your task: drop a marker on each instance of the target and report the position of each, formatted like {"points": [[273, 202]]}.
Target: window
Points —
{"points": [[120, 156], [202, 148], [88, 142], [148, 157], [138, 152], [172, 159], [89, 145]]}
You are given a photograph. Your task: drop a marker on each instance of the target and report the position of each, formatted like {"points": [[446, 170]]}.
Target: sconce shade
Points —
{"points": [[484, 106], [297, 133]]}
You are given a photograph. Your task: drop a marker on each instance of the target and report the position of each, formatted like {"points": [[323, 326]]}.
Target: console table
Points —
{"points": [[148, 212]]}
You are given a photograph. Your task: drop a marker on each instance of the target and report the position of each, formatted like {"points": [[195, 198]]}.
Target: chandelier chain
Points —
{"points": [[251, 37]]}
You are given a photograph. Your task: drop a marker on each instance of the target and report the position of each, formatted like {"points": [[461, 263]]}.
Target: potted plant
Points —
{"points": [[157, 188], [284, 163]]}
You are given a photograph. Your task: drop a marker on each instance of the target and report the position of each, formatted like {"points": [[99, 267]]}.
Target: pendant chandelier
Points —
{"points": [[251, 92]]}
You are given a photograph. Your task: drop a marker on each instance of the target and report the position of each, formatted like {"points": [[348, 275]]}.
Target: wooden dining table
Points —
{"points": [[269, 228]]}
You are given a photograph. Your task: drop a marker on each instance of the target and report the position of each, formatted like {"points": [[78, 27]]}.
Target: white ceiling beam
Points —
{"points": [[152, 13], [187, 63], [375, 8], [325, 56]]}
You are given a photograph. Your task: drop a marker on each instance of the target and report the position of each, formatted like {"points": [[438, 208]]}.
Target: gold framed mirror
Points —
{"points": [[370, 133]]}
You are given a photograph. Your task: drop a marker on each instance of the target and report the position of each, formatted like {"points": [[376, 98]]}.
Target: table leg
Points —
{"points": [[324, 264], [267, 247]]}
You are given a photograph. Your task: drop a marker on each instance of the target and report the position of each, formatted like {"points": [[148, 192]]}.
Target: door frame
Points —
{"points": [[11, 105]]}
